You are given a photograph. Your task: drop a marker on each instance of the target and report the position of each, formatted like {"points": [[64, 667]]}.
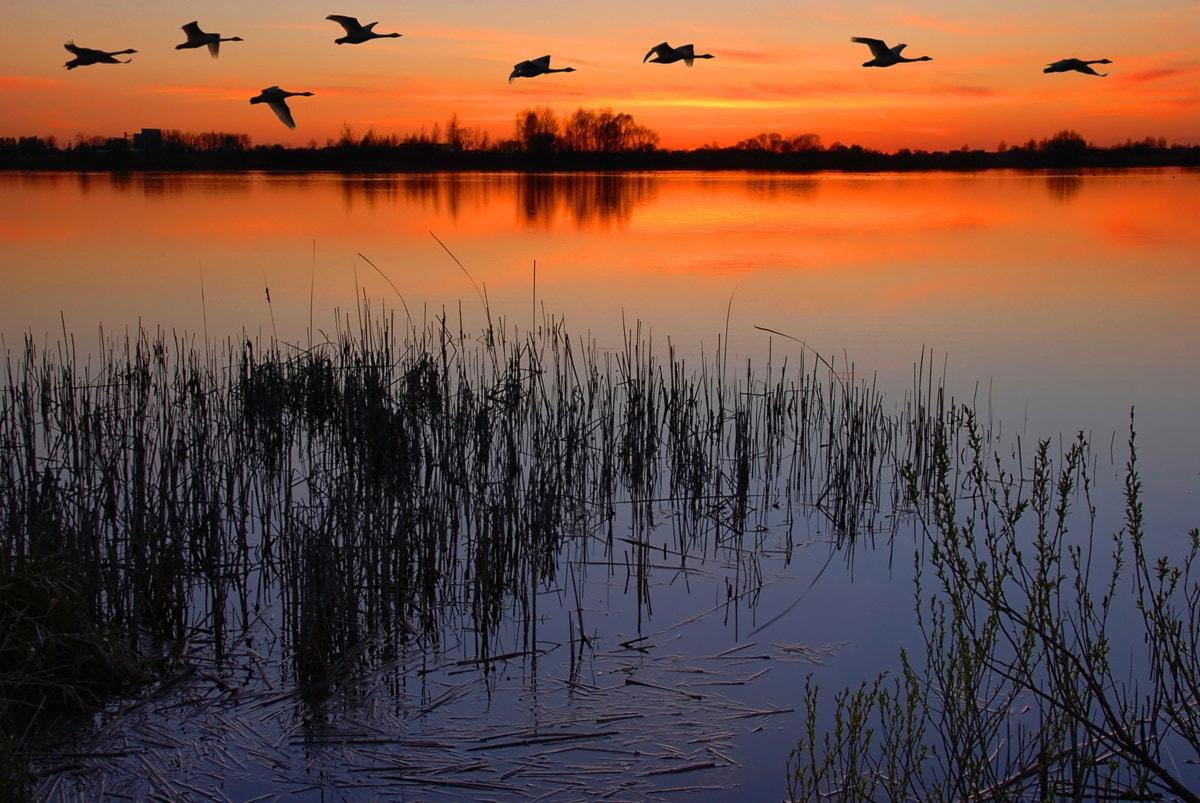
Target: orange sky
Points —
{"points": [[787, 68]]}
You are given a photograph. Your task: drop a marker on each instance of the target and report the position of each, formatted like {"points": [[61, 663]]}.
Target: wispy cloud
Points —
{"points": [[754, 56], [301, 26], [709, 102], [219, 92], [972, 27], [969, 91], [943, 131], [956, 27], [21, 83], [948, 92], [1146, 76], [826, 94], [454, 33], [807, 89]]}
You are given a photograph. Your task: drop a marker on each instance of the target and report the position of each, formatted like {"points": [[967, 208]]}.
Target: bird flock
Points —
{"points": [[356, 33]]}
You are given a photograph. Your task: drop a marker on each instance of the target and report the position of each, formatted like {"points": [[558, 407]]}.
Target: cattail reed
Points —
{"points": [[420, 483]]}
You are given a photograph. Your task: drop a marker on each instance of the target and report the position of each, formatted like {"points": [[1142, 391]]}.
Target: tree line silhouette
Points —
{"points": [[586, 139]]}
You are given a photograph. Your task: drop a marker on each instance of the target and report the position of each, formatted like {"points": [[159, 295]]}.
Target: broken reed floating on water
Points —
{"points": [[403, 482]]}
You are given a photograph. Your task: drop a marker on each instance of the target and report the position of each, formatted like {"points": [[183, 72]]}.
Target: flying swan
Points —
{"points": [[85, 56], [1078, 65], [356, 34], [884, 56], [665, 54], [276, 98], [532, 67], [198, 38]]}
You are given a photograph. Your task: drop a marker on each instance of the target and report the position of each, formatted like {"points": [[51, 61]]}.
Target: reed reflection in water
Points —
{"points": [[542, 199]]}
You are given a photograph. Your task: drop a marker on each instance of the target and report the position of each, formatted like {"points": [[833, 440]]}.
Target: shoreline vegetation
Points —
{"points": [[391, 492], [393, 489], [586, 140], [1054, 661]]}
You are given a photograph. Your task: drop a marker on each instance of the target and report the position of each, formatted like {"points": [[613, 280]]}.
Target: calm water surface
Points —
{"points": [[1057, 302], [1066, 298]]}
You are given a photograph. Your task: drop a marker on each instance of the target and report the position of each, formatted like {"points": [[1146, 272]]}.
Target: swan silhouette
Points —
{"points": [[665, 54], [85, 56], [1078, 65], [531, 67], [276, 98], [356, 34], [884, 56], [198, 38]]}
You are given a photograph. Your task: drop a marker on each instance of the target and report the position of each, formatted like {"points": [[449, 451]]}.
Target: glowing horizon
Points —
{"points": [[784, 70]]}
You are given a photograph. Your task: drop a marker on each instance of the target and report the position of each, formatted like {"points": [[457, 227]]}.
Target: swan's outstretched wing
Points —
{"points": [[879, 48], [280, 107], [687, 53], [519, 70], [83, 52], [194, 34], [350, 24], [531, 67], [660, 50]]}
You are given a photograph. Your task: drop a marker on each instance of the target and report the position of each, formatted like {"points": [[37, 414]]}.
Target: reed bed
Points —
{"points": [[395, 486]]}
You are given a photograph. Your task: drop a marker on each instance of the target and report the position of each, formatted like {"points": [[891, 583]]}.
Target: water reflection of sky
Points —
{"points": [[1055, 303], [1067, 294]]}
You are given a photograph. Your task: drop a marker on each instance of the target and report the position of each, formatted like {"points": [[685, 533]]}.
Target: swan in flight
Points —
{"points": [[531, 67], [884, 56], [85, 56], [1078, 65], [198, 38], [665, 54], [356, 34], [276, 98]]}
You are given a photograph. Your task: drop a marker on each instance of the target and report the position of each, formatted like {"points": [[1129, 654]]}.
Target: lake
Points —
{"points": [[1055, 302], [1067, 298]]}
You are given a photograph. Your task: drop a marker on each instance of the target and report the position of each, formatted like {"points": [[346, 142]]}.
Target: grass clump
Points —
{"points": [[56, 661], [15, 777]]}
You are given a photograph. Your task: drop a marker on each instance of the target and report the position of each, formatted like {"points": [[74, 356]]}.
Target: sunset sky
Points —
{"points": [[785, 67]]}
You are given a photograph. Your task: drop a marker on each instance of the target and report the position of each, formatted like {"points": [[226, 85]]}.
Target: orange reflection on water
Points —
{"points": [[1071, 296], [879, 264]]}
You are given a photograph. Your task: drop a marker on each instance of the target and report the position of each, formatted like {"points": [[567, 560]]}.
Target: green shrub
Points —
{"points": [[1029, 688]]}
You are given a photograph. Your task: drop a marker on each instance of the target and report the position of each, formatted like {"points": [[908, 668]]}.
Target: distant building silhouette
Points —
{"points": [[149, 140]]}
